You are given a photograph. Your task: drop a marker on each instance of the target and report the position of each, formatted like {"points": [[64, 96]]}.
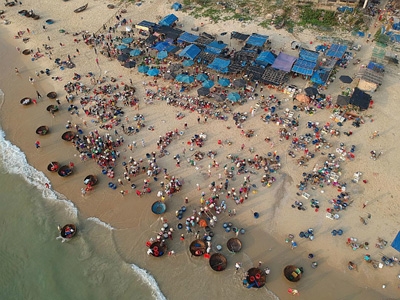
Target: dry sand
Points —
{"points": [[182, 275]]}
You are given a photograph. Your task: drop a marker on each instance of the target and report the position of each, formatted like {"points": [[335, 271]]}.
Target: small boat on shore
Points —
{"points": [[52, 108], [68, 231], [90, 180], [255, 278], [218, 262], [52, 95], [292, 273], [64, 171], [81, 9], [42, 130], [234, 245], [198, 247], [26, 52], [26, 101], [68, 136], [158, 249], [53, 166], [158, 208]]}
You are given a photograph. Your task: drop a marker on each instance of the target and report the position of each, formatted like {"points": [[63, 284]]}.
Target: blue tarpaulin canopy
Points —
{"points": [[284, 62], [375, 66], [162, 54], [190, 52], [215, 47], [308, 55], [220, 65], [168, 20], [265, 58], [304, 67], [336, 51], [161, 46], [257, 40], [176, 6], [396, 242], [187, 37], [320, 76]]}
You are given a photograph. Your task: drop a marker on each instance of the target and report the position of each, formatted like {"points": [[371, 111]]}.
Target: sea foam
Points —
{"points": [[148, 279], [100, 222], [14, 161]]}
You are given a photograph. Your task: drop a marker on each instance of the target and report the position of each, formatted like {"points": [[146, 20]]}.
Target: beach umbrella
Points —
{"points": [[345, 79], [311, 91], [135, 52], [234, 97], [169, 76], [162, 54], [153, 72], [129, 64], [122, 46], [239, 83], [188, 63], [203, 91], [126, 51], [143, 69], [184, 78], [208, 84], [123, 57], [175, 67], [219, 97], [224, 81], [202, 77], [127, 40]]}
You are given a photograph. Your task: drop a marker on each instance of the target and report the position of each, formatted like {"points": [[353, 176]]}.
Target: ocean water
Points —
{"points": [[37, 265]]}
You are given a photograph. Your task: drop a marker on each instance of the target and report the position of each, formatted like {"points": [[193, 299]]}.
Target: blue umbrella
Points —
{"points": [[201, 77], [184, 78], [120, 47], [234, 97], [208, 84], [127, 40], [162, 54], [224, 82], [153, 72], [135, 52], [143, 69], [188, 63]]}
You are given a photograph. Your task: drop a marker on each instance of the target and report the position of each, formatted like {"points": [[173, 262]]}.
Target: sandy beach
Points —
{"points": [[372, 198]]}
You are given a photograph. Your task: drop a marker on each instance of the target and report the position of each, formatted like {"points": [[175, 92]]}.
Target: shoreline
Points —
{"points": [[107, 210]]}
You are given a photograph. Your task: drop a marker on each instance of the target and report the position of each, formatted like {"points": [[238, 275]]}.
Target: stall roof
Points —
{"points": [[215, 47], [336, 51], [265, 58], [304, 67], [284, 62], [239, 36], [273, 76], [168, 32], [308, 55], [320, 76], [220, 65], [190, 52], [168, 20], [360, 99], [257, 40], [371, 76], [160, 46], [396, 242], [187, 37], [176, 6], [375, 66], [145, 25]]}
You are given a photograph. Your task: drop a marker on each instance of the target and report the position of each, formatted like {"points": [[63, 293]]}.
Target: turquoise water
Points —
{"points": [[37, 265]]}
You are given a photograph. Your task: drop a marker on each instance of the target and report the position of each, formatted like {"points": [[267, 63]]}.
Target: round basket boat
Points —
{"points": [[26, 52], [53, 166], [26, 101], [218, 262], [292, 273], [64, 171], [52, 108], [22, 12], [68, 136], [158, 208], [158, 249], [111, 6], [256, 278], [234, 245], [35, 17], [49, 21], [90, 180], [42, 130], [68, 231], [52, 95], [198, 247]]}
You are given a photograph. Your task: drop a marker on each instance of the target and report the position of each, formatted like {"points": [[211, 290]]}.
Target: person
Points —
{"points": [[267, 271], [38, 94], [259, 262], [31, 80], [238, 265], [37, 144], [16, 71]]}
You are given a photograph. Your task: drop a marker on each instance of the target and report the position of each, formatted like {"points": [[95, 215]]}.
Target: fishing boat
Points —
{"points": [[234, 245], [218, 262], [81, 9], [64, 171], [26, 101], [68, 231], [292, 273], [53, 166], [255, 278], [42, 130]]}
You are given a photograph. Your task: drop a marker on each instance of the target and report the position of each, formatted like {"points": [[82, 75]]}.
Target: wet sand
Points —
{"points": [[264, 240]]}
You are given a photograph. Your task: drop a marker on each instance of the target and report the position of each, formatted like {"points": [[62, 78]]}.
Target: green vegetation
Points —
{"points": [[317, 17]]}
